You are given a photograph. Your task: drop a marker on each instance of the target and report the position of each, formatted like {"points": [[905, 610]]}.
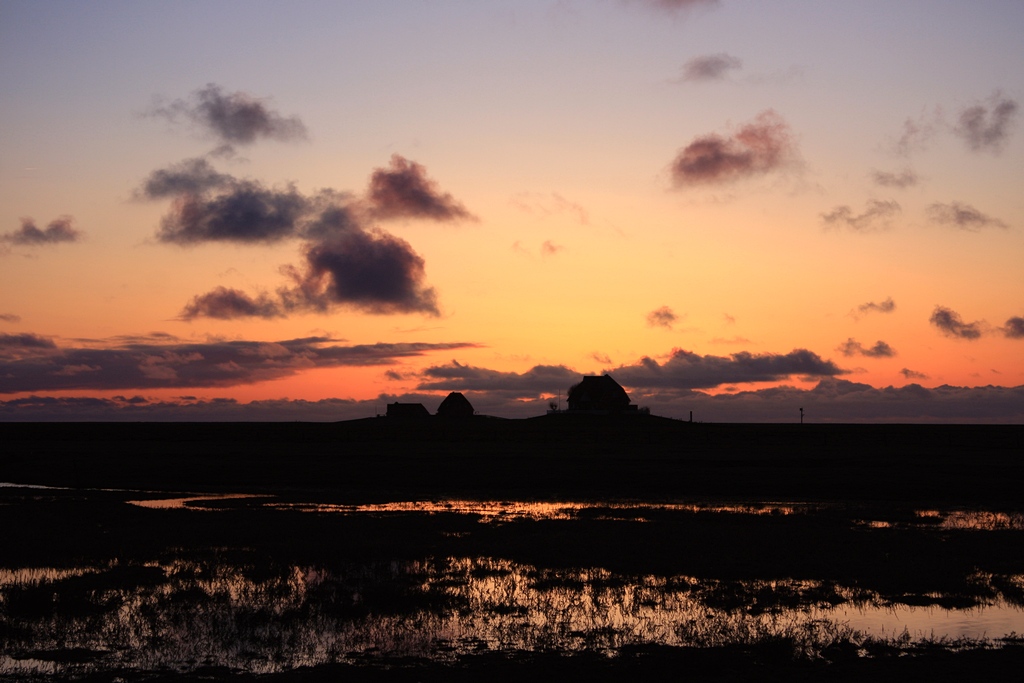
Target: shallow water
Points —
{"points": [[186, 606]]}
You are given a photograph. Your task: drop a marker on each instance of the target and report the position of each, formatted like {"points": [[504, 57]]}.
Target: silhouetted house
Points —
{"points": [[455, 405], [407, 411], [599, 394]]}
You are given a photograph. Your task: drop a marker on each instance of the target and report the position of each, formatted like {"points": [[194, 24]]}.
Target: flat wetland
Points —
{"points": [[571, 546]]}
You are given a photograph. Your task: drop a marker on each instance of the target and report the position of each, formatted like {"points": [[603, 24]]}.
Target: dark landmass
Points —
{"points": [[562, 457]]}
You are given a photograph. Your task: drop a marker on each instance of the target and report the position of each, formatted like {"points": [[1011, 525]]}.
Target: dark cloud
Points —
{"points": [[902, 180], [852, 347], [887, 306], [191, 176], [538, 380], [14, 345], [29, 363], [248, 213], [877, 215], [987, 127], [952, 325], [10, 318], [372, 271], [227, 304], [913, 374], [962, 216], [758, 148], [687, 370], [832, 400], [59, 230], [404, 191], [662, 317], [234, 118], [710, 67], [1014, 328]]}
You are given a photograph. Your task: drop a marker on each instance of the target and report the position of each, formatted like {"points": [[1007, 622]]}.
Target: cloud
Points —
{"points": [[687, 370], [851, 347], [709, 67], [233, 118], [191, 177], [1014, 328], [662, 317], [228, 304], [29, 363], [549, 248], [902, 180], [59, 230], [832, 400], [15, 345], [878, 215], [549, 204], [404, 191], [952, 325], [538, 380], [913, 374], [887, 306], [918, 133], [247, 213], [370, 270], [987, 127], [962, 216], [10, 318], [675, 6], [757, 148]]}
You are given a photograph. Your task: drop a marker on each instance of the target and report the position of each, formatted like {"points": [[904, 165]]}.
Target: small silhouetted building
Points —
{"points": [[407, 411], [599, 394], [455, 405]]}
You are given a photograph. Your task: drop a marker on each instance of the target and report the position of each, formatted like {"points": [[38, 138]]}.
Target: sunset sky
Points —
{"points": [[308, 210]]}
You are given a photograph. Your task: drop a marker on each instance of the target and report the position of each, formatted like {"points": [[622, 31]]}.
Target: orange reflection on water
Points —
{"points": [[979, 520], [536, 510]]}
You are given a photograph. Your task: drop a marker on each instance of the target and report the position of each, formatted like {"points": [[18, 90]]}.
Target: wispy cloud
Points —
{"points": [[662, 317], [31, 363], [674, 6], [900, 181], [912, 374], [59, 230], [962, 216], [10, 318], [757, 148], [887, 306], [550, 204], [952, 325], [986, 127], [403, 190], [233, 118], [852, 347], [877, 215], [714, 67]]}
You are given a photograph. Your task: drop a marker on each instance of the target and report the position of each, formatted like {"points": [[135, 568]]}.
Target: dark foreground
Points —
{"points": [[246, 589], [562, 457]]}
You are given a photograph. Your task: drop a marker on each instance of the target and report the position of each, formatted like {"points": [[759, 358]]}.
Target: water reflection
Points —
{"points": [[184, 612], [519, 510]]}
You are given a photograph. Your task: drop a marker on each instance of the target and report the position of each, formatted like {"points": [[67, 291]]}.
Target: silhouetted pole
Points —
{"points": [[801, 416]]}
